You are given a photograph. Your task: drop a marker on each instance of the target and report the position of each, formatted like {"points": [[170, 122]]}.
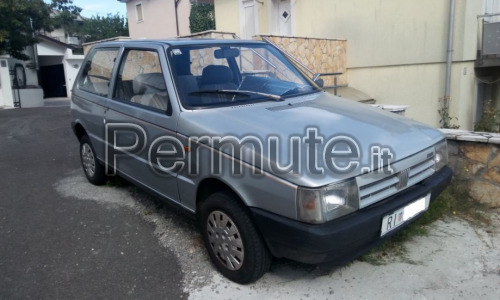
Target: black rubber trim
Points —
{"points": [[73, 127], [345, 238]]}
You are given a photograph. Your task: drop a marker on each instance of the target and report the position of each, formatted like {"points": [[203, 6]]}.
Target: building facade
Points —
{"points": [[396, 50], [156, 19], [49, 72]]}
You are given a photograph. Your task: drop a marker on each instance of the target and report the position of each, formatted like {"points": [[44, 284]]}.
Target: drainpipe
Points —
{"points": [[35, 56], [176, 17], [449, 53]]}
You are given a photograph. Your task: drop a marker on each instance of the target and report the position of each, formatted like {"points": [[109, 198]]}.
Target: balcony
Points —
{"points": [[488, 53]]}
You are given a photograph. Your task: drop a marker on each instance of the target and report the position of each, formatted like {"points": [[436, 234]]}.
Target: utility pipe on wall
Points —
{"points": [[176, 16], [449, 51]]}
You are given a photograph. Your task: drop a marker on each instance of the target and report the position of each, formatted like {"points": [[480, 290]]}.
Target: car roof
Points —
{"points": [[178, 42]]}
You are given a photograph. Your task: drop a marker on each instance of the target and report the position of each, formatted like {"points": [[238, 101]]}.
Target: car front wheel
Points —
{"points": [[233, 243]]}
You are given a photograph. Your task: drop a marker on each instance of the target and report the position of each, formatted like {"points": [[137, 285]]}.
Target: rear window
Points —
{"points": [[96, 73]]}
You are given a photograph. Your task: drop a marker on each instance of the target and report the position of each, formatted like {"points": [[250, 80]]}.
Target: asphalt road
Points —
{"points": [[58, 247]]}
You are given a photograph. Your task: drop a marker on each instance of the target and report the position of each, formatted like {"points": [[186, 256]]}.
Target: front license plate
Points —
{"points": [[400, 216]]}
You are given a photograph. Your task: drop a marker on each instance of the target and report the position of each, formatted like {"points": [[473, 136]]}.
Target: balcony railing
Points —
{"points": [[488, 52], [491, 39]]}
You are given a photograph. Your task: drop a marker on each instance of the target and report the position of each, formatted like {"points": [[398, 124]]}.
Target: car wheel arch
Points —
{"points": [[211, 185], [80, 131]]}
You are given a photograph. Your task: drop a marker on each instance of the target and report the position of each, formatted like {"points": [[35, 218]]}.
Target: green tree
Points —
{"points": [[100, 28], [202, 17], [21, 19], [66, 16]]}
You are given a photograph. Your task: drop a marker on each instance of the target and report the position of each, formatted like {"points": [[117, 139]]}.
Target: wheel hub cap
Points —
{"points": [[88, 160], [225, 240]]}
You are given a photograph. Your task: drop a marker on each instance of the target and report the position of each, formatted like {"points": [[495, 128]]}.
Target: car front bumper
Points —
{"points": [[345, 238]]}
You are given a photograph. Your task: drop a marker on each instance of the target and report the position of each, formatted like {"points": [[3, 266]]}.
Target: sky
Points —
{"points": [[100, 7]]}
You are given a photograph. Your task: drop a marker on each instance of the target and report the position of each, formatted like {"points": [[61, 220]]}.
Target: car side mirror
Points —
{"points": [[319, 82]]}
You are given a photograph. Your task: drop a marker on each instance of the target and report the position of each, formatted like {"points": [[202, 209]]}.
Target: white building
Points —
{"points": [[396, 50], [58, 66], [50, 71]]}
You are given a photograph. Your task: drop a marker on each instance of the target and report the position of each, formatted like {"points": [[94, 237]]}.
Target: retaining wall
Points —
{"points": [[475, 160]]}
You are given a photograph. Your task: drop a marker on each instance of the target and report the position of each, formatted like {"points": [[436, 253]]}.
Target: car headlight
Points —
{"points": [[327, 203], [441, 154]]}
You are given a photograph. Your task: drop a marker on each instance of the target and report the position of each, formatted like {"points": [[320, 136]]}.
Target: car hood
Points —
{"points": [[330, 116]]}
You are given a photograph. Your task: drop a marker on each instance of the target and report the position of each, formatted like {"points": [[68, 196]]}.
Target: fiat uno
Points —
{"points": [[270, 164]]}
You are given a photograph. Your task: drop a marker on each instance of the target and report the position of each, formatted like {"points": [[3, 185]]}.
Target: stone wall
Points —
{"points": [[140, 61], [88, 46], [319, 55], [475, 160]]}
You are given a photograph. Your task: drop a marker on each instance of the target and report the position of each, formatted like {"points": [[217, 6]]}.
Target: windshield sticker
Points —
{"points": [[176, 52]]}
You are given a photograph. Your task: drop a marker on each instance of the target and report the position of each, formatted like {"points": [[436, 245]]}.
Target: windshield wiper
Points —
{"points": [[242, 92], [272, 96]]}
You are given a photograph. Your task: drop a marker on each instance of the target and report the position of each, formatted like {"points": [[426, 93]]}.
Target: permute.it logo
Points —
{"points": [[309, 153]]}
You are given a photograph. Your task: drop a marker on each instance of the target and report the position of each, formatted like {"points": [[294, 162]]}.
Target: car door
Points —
{"points": [[90, 92], [141, 120]]}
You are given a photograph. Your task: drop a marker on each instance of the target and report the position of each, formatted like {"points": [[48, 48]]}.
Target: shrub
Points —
{"points": [[202, 17], [489, 121]]}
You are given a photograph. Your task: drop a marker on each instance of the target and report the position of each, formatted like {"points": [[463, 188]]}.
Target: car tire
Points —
{"points": [[93, 169], [235, 246]]}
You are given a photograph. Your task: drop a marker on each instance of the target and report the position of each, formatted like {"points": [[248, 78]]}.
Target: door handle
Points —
{"points": [[104, 115]]}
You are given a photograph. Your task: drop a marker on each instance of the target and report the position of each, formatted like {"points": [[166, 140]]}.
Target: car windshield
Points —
{"points": [[233, 74]]}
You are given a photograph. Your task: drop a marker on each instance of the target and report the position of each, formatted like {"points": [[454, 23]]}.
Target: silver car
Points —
{"points": [[271, 165]]}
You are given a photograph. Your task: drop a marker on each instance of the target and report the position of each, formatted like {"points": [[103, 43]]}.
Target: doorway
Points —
{"points": [[248, 19], [281, 17], [53, 81]]}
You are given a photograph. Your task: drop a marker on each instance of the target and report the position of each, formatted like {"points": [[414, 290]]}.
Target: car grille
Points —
{"points": [[376, 186]]}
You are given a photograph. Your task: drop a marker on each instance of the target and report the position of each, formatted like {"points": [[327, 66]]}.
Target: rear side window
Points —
{"points": [[140, 80], [96, 74]]}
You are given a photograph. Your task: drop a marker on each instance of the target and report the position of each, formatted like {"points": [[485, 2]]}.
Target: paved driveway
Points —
{"points": [[55, 246]]}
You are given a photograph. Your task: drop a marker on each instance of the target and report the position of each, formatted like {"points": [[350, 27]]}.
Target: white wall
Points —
{"points": [[227, 16], [45, 48], [396, 50], [31, 74], [71, 64], [158, 19], [6, 98], [421, 87], [388, 32]]}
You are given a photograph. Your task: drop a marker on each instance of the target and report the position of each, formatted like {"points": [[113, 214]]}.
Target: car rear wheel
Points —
{"points": [[233, 243], [93, 170]]}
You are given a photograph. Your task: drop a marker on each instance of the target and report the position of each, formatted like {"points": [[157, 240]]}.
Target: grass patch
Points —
{"points": [[453, 201]]}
